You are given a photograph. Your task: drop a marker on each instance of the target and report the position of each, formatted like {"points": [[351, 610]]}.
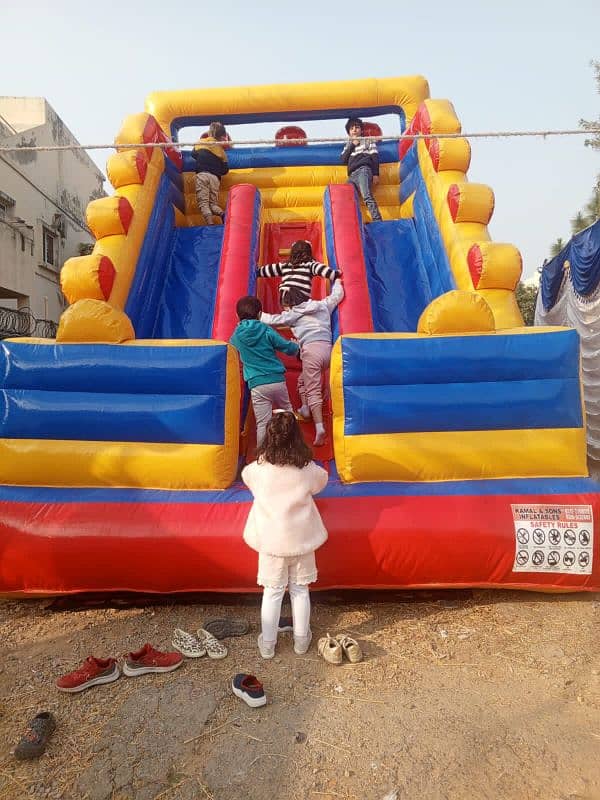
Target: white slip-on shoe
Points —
{"points": [[214, 648], [187, 644]]}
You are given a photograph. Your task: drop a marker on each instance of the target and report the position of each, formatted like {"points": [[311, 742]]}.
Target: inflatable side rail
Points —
{"points": [[145, 414], [345, 251], [97, 285], [239, 257], [419, 407], [462, 210]]}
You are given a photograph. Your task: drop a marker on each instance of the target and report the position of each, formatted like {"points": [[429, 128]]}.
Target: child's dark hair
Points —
{"points": [[248, 307], [291, 296], [354, 121], [283, 443], [300, 251], [217, 130]]}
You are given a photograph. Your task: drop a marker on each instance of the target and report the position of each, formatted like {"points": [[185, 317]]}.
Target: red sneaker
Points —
{"points": [[150, 660], [92, 672]]}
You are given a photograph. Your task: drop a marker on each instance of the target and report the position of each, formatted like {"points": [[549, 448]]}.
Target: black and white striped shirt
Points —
{"points": [[299, 275]]}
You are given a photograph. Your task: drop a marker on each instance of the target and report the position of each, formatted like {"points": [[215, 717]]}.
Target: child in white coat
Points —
{"points": [[285, 527]]}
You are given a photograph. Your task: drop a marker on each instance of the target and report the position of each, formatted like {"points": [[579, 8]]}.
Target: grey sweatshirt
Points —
{"points": [[310, 321]]}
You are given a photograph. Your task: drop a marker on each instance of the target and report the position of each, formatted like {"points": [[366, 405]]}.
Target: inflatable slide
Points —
{"points": [[456, 436]]}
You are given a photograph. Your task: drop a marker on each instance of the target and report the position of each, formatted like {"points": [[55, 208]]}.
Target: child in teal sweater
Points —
{"points": [[264, 373]]}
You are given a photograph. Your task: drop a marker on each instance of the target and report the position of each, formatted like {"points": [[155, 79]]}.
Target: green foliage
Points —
{"points": [[579, 222], [591, 211], [589, 125], [526, 300]]}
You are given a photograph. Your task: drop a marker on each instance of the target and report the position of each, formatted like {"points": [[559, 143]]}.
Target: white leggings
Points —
{"points": [[271, 610]]}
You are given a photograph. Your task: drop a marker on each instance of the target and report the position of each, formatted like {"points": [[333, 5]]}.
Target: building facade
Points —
{"points": [[43, 197]]}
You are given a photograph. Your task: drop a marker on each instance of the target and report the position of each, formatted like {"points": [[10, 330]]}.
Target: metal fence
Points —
{"points": [[21, 322]]}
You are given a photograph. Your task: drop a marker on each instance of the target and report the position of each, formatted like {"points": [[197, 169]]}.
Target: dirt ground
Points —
{"points": [[461, 695]]}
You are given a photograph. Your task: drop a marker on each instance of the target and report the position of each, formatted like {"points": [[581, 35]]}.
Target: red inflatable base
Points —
{"points": [[376, 541]]}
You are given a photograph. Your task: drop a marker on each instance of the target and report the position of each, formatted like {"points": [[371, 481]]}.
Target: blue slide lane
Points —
{"points": [[398, 283], [186, 308]]}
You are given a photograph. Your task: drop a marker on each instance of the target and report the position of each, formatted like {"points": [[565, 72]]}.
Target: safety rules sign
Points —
{"points": [[553, 538]]}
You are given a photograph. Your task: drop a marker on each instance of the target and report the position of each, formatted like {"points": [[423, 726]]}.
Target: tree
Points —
{"points": [[591, 211], [592, 207], [589, 215], [593, 125], [579, 222], [526, 300]]}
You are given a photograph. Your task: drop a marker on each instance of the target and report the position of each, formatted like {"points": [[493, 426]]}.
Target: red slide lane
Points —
{"points": [[354, 314], [237, 258]]}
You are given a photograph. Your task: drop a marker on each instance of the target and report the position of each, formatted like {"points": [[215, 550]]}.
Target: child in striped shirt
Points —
{"points": [[299, 271]]}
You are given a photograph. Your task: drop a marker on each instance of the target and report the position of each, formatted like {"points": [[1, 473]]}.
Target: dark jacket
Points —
{"points": [[363, 154], [210, 157]]}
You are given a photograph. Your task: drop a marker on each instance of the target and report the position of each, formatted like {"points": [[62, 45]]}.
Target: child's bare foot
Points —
{"points": [[303, 413]]}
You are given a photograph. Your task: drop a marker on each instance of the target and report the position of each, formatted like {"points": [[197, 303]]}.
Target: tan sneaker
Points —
{"points": [[330, 649], [350, 648]]}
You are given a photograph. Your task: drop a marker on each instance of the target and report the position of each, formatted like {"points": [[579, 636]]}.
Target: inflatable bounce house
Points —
{"points": [[456, 447]]}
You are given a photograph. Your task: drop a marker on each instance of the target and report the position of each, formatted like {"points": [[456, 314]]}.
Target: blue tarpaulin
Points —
{"points": [[583, 255]]}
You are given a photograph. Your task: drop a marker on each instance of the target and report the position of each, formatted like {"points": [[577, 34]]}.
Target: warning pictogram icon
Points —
{"points": [[553, 558], [522, 557], [584, 538], [570, 537], [584, 559], [539, 537], [554, 536], [537, 558]]}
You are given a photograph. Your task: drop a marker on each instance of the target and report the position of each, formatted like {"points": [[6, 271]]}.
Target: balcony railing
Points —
{"points": [[21, 322]]}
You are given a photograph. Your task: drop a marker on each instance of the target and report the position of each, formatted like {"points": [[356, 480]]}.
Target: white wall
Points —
{"points": [[43, 185]]}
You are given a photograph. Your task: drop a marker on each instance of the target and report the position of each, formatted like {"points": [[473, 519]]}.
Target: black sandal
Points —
{"points": [[223, 627], [35, 739]]}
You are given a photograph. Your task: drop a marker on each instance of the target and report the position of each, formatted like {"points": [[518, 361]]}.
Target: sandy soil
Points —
{"points": [[461, 695]]}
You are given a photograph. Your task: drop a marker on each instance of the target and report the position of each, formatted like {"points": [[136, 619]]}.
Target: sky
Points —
{"points": [[505, 66]]}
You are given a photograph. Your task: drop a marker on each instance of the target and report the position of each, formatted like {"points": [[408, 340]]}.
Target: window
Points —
{"points": [[50, 247], [6, 204]]}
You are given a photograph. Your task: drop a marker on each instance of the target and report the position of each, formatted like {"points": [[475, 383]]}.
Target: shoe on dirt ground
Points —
{"points": [[92, 672], [266, 652], [350, 648], [214, 648], [187, 644], [148, 659], [249, 689], [330, 649], [302, 643], [223, 627], [34, 741]]}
